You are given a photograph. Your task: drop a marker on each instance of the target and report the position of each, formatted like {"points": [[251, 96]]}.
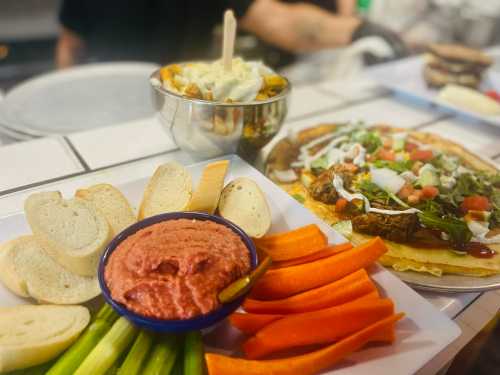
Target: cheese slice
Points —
{"points": [[206, 196]]}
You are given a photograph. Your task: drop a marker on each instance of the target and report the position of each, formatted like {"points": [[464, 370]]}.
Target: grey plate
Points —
{"points": [[80, 98], [449, 283]]}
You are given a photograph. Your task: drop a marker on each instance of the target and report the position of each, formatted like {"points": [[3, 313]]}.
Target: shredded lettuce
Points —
{"points": [[299, 198], [398, 166], [369, 139], [344, 228]]}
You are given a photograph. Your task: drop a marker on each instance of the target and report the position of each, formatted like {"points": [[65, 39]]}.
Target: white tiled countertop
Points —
{"points": [[125, 152]]}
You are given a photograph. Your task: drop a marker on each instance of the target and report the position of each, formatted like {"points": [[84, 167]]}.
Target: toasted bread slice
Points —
{"points": [[111, 202], [207, 194], [31, 335], [168, 190], [243, 203], [28, 271], [73, 232]]}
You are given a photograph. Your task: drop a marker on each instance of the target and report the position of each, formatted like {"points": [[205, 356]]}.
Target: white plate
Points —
{"points": [[79, 98], [422, 334], [405, 76]]}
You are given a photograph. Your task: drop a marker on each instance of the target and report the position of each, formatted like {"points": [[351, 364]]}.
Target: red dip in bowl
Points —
{"points": [[175, 269]]}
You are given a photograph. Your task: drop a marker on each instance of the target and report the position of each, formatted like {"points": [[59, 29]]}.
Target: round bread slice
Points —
{"points": [[73, 232], [243, 203], [31, 335], [169, 190], [28, 271], [111, 202]]}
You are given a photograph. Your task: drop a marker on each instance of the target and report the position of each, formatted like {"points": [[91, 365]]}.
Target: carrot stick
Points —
{"points": [[316, 327], [251, 323], [304, 231], [326, 252], [293, 244], [306, 364], [284, 282], [372, 295], [341, 291], [388, 335]]}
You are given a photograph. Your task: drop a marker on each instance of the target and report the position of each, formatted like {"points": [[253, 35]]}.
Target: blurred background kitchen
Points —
{"points": [[30, 29]]}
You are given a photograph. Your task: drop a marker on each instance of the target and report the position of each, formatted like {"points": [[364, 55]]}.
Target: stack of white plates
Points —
{"points": [[77, 99]]}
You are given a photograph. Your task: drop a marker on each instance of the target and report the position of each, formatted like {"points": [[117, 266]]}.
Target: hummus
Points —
{"points": [[175, 269]]}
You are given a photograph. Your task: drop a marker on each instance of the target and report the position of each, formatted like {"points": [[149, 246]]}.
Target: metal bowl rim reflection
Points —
{"points": [[283, 94]]}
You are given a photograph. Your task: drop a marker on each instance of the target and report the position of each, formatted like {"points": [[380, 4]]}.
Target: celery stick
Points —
{"points": [[34, 370], [193, 354], [74, 356], [162, 358], [106, 313], [109, 349], [137, 355], [113, 370]]}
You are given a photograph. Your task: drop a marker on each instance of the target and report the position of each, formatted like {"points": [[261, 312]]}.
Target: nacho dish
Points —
{"points": [[245, 82], [436, 204]]}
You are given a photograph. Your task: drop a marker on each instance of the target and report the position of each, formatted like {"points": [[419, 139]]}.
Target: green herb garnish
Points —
{"points": [[457, 229], [398, 166], [369, 139]]}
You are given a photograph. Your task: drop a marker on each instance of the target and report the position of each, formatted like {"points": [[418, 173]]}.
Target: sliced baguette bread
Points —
{"points": [[73, 232], [168, 190], [206, 196], [31, 335], [111, 202], [243, 203], [28, 271]]}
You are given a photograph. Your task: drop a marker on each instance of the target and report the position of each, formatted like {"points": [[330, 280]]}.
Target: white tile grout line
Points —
{"points": [[78, 174], [334, 108]]}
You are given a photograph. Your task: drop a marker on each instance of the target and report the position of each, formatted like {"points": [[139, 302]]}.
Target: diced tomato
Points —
{"points": [[423, 155], [406, 191], [429, 192], [386, 155], [341, 204], [410, 146], [476, 203], [493, 95]]}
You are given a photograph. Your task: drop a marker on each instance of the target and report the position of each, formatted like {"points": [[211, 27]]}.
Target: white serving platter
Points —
{"points": [[405, 77], [422, 334]]}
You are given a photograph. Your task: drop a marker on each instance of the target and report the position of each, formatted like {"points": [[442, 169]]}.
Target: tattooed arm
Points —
{"points": [[298, 27]]}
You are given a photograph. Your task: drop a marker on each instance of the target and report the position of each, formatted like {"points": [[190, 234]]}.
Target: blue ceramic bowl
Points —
{"points": [[178, 325]]}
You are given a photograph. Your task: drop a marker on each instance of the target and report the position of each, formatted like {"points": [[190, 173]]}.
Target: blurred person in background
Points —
{"points": [[162, 31]]}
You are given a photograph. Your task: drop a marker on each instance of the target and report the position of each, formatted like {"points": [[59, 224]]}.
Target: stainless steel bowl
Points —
{"points": [[208, 129]]}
